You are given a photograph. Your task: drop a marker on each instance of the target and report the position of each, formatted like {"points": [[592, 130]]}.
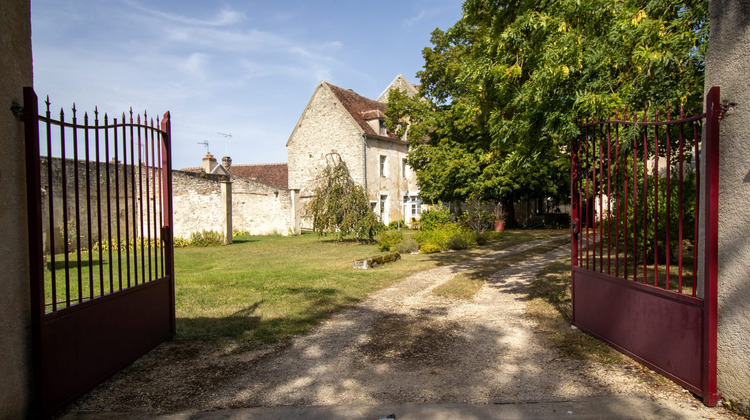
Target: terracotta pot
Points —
{"points": [[499, 225]]}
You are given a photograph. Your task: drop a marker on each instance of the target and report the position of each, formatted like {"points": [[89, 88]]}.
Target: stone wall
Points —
{"points": [[324, 128], [259, 209], [396, 182], [727, 67], [15, 73], [262, 209], [128, 187]]}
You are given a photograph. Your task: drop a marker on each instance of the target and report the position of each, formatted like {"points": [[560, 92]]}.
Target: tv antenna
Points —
{"points": [[205, 143], [227, 139]]}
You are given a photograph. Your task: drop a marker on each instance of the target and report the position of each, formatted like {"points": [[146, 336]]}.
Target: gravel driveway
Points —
{"points": [[402, 344]]}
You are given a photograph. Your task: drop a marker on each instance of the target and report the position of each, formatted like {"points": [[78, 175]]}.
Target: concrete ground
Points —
{"points": [[598, 407]]}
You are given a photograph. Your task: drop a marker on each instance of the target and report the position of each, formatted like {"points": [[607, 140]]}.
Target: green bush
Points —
{"points": [[429, 248], [389, 239], [408, 245], [462, 239], [397, 224], [434, 218], [206, 238], [447, 236]]}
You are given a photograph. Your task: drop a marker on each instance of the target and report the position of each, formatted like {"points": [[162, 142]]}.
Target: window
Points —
{"points": [[374, 206], [384, 208], [383, 167], [383, 131], [404, 169]]}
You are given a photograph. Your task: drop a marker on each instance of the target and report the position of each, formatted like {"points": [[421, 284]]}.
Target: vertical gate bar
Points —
{"points": [[132, 197], [635, 201], [601, 199], [620, 176], [77, 206], [169, 249], [656, 201], [99, 200], [596, 187], [669, 195], [36, 241], [153, 199], [681, 176], [65, 208], [147, 198], [609, 198], [645, 196], [588, 208], [161, 195], [624, 203], [696, 236], [710, 263], [574, 193], [109, 202], [140, 199], [50, 195], [593, 196], [125, 190], [88, 204], [117, 204]]}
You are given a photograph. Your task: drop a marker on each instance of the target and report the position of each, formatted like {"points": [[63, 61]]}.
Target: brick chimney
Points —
{"points": [[209, 163], [226, 162]]}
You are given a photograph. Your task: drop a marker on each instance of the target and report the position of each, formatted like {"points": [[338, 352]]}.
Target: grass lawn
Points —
{"points": [[263, 289], [266, 289]]}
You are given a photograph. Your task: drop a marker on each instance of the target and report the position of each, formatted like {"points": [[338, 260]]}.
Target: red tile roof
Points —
{"points": [[275, 174], [360, 108]]}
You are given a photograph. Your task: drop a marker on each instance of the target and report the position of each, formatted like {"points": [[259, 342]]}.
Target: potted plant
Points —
{"points": [[500, 216]]}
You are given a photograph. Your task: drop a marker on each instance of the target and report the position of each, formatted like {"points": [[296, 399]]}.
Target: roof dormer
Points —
{"points": [[376, 120]]}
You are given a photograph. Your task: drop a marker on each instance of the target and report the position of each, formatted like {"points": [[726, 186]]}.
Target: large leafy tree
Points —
{"points": [[504, 85]]}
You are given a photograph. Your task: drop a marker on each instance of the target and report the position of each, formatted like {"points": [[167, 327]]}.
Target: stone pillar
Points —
{"points": [[226, 200], [728, 66], [15, 347]]}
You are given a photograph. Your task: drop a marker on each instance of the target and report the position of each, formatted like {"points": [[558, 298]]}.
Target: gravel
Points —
{"points": [[402, 344]]}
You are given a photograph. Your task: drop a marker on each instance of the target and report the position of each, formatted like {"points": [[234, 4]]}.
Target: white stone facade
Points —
{"points": [[340, 122]]}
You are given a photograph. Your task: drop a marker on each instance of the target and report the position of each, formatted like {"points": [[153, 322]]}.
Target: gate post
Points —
{"points": [[710, 248], [168, 228]]}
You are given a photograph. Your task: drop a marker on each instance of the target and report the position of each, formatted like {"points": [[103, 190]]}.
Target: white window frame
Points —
{"points": [[383, 168]]}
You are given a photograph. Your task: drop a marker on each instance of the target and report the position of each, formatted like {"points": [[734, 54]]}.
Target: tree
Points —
{"points": [[339, 205], [504, 85]]}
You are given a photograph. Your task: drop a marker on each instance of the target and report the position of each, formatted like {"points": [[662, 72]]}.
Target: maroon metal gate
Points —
{"points": [[635, 201], [101, 261]]}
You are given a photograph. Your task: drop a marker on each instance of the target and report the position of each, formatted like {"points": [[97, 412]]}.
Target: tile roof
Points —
{"points": [[275, 174], [360, 108]]}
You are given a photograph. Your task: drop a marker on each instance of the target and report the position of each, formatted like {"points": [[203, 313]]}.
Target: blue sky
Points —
{"points": [[247, 68]]}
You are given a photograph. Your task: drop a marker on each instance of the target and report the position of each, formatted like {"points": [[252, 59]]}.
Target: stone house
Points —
{"points": [[338, 121]]}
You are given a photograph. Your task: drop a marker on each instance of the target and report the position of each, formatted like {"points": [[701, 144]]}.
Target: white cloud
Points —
{"points": [[225, 17], [425, 14]]}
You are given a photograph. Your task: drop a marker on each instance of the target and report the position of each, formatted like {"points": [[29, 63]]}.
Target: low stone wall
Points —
{"points": [[257, 208]]}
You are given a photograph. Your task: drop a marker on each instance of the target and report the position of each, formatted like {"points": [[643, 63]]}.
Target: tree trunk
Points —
{"points": [[510, 213]]}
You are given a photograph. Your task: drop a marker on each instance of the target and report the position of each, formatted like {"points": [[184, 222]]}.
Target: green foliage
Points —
{"points": [[339, 206], [448, 236], [136, 243], [658, 234], [429, 248], [504, 84], [407, 246], [434, 217], [389, 239], [206, 238], [397, 224], [477, 216]]}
